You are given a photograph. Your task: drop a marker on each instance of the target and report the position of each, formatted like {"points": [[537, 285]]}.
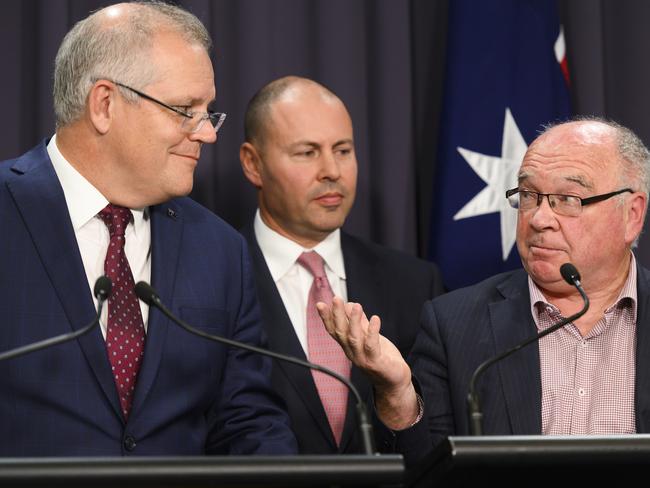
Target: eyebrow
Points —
{"points": [[303, 143], [344, 141], [577, 179], [317, 145], [191, 102]]}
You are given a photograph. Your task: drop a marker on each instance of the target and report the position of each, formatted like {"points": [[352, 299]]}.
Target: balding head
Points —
{"points": [[259, 110], [582, 199], [632, 156]]}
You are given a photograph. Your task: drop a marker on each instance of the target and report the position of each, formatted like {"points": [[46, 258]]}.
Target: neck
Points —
{"points": [[601, 296], [308, 241], [88, 154]]}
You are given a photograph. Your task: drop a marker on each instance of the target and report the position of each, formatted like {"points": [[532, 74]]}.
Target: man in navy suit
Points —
{"points": [[299, 154], [582, 198], [133, 85]]}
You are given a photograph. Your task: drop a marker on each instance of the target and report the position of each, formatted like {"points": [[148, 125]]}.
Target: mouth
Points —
{"points": [[544, 251], [194, 157], [330, 199]]}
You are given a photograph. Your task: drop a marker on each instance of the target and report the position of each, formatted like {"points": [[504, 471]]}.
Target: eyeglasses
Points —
{"points": [[192, 121], [567, 205]]}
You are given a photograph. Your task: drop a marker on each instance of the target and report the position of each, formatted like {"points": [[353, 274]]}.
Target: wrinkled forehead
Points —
{"points": [[580, 153]]}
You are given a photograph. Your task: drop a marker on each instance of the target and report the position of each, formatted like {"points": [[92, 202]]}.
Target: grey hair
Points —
{"points": [[634, 153], [95, 49]]}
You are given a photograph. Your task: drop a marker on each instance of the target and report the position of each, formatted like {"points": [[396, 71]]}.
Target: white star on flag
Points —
{"points": [[500, 174]]}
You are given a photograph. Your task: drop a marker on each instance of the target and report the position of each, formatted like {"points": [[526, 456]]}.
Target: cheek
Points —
{"points": [[522, 227]]}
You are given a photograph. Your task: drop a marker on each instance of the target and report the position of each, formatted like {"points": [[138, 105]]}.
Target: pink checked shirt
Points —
{"points": [[588, 382]]}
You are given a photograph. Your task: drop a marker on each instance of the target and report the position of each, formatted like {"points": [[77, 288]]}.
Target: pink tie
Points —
{"points": [[323, 349], [125, 329]]}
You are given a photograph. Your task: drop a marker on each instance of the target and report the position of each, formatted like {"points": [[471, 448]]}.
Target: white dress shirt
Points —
{"points": [[291, 279], [84, 202]]}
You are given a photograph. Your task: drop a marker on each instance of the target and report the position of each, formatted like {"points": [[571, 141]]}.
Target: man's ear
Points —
{"points": [[250, 161], [637, 208], [101, 105]]}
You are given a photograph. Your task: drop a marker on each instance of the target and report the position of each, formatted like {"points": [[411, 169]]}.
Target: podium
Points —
{"points": [[205, 471], [536, 460]]}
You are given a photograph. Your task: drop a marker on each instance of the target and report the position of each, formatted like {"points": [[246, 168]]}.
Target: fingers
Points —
{"points": [[347, 323], [371, 344], [325, 312]]}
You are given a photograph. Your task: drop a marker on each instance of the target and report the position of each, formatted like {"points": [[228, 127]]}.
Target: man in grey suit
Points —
{"points": [[299, 154], [581, 198]]}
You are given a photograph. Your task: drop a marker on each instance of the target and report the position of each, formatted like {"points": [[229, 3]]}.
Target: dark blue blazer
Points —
{"points": [[462, 329], [387, 283], [192, 396]]}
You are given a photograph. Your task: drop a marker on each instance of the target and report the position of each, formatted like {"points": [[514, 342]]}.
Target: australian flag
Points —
{"points": [[506, 76]]}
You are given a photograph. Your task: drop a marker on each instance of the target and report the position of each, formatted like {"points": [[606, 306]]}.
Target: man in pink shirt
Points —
{"points": [[581, 198]]}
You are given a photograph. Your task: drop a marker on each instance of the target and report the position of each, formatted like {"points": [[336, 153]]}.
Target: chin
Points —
{"points": [[543, 271]]}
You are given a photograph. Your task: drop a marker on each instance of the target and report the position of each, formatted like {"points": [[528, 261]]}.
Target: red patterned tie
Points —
{"points": [[125, 329], [323, 349]]}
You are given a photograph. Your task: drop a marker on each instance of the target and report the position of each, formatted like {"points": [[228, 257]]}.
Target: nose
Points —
{"points": [[206, 134], [543, 216], [330, 168]]}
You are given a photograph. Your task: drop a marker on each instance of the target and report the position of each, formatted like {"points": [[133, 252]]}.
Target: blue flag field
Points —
{"points": [[504, 79]]}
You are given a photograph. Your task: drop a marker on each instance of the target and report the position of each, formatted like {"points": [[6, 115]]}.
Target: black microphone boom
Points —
{"points": [[147, 294], [572, 277], [102, 291]]}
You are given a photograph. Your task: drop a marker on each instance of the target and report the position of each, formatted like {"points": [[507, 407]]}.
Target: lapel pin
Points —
{"points": [[171, 213]]}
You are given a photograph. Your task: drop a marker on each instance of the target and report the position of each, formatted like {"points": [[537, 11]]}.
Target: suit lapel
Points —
{"points": [[520, 374], [282, 338], [40, 199], [166, 235], [642, 394], [364, 286]]}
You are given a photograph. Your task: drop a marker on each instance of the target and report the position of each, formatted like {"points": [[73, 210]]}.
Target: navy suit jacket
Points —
{"points": [[462, 329], [385, 282], [192, 396]]}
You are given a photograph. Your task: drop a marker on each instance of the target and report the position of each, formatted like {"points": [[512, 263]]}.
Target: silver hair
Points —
{"points": [[95, 49], [635, 171], [633, 152]]}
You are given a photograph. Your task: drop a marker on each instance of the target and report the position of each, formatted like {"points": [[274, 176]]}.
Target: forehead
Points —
{"points": [[583, 154], [309, 115], [182, 66]]}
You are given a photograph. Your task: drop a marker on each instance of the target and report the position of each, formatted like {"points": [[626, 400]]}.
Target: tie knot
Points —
{"points": [[116, 219], [313, 263]]}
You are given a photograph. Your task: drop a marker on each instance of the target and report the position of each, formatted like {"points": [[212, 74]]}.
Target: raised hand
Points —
{"points": [[387, 370]]}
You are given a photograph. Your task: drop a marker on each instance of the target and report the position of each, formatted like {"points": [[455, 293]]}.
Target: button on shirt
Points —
{"points": [[588, 382], [292, 280], [84, 202]]}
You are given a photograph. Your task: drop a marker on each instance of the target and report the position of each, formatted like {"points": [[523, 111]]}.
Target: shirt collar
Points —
{"points": [[84, 201], [281, 252], [629, 291]]}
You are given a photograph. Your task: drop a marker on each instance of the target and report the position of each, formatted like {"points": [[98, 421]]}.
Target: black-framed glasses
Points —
{"points": [[192, 122], [567, 205]]}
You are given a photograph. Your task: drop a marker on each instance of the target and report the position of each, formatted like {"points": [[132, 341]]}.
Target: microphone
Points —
{"points": [[148, 294], [102, 291], [572, 277]]}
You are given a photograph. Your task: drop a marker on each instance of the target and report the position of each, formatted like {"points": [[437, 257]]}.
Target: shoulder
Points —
{"points": [[508, 285], [200, 222], [643, 273], [32, 160], [400, 272], [354, 247]]}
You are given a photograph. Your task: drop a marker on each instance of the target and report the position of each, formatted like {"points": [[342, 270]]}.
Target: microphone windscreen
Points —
{"points": [[145, 292], [103, 287], [569, 273]]}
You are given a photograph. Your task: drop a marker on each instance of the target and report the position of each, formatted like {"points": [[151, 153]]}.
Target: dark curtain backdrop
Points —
{"points": [[384, 58]]}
